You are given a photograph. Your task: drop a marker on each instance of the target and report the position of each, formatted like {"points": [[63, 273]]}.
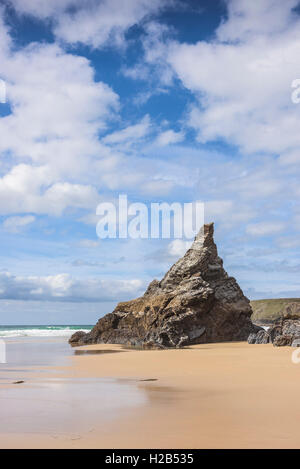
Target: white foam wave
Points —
{"points": [[67, 332]]}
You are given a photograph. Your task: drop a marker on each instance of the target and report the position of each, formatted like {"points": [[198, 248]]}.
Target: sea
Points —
{"points": [[37, 345], [42, 331]]}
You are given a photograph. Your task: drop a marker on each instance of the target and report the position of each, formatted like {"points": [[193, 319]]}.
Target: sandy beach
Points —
{"points": [[229, 395]]}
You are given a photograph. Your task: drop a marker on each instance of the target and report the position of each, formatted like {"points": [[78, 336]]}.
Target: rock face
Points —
{"points": [[196, 302], [285, 332]]}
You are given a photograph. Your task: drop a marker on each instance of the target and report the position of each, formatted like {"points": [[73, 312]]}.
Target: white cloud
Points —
{"points": [[28, 189], [144, 96], [168, 137], [16, 224], [57, 106], [58, 110], [130, 133], [43, 8], [91, 22], [154, 67], [105, 20], [54, 158], [242, 78], [63, 287], [178, 247], [241, 82], [62, 195], [247, 19]]}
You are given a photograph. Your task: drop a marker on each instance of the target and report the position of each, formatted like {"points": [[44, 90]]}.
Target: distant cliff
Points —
{"points": [[195, 302], [270, 311]]}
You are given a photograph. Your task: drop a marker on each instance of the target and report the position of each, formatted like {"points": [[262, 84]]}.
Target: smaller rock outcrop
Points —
{"points": [[284, 332], [77, 337]]}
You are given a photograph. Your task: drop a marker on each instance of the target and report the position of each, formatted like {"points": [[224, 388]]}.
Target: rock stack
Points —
{"points": [[196, 302]]}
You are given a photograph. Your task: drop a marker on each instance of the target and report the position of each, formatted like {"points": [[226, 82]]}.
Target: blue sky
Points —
{"points": [[168, 100]]}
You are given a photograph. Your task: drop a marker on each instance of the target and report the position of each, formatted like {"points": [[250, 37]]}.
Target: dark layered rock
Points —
{"points": [[261, 337], [195, 302], [283, 340], [284, 332]]}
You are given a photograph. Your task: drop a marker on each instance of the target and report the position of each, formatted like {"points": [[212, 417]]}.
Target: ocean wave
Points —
{"points": [[47, 332]]}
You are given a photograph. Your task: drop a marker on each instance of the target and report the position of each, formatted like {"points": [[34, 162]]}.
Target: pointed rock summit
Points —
{"points": [[196, 302]]}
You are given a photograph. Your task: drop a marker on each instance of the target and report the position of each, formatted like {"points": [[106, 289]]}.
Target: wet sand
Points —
{"points": [[231, 395]]}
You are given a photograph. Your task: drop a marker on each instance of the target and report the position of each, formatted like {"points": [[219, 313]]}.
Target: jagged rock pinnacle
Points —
{"points": [[195, 302]]}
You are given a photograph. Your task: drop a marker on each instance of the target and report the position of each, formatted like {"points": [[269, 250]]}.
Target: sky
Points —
{"points": [[161, 100]]}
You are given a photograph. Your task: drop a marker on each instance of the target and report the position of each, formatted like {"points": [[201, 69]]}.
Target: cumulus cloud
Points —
{"points": [[242, 78], [246, 19], [57, 111], [104, 20], [57, 106], [62, 287], [28, 188], [54, 157], [91, 22]]}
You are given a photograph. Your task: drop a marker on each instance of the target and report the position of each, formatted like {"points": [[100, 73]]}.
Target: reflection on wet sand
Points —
{"points": [[95, 352], [61, 405], [213, 396]]}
